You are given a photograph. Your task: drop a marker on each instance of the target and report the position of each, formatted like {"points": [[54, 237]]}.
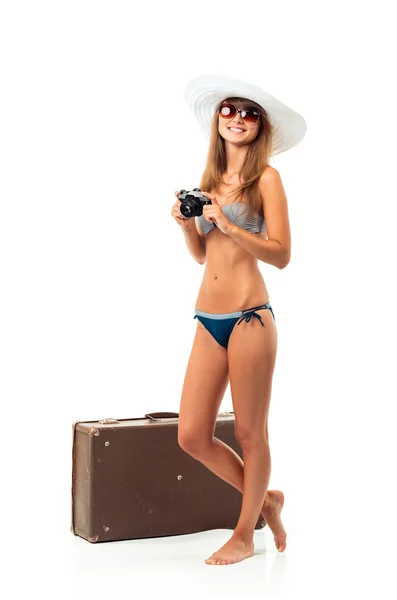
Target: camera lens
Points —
{"points": [[186, 209], [191, 207]]}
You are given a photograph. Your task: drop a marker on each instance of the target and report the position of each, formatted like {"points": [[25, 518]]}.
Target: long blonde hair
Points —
{"points": [[255, 162]]}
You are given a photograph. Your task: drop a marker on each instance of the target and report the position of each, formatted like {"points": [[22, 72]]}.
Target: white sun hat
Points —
{"points": [[205, 92]]}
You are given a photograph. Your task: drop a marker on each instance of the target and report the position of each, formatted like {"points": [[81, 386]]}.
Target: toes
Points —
{"points": [[217, 561], [212, 560]]}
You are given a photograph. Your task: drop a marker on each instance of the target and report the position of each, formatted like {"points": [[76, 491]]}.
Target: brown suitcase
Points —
{"points": [[131, 479]]}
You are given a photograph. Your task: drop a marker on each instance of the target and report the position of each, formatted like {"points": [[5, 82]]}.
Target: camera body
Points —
{"points": [[192, 202]]}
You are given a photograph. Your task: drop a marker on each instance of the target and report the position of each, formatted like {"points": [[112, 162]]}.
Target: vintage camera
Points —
{"points": [[192, 203]]}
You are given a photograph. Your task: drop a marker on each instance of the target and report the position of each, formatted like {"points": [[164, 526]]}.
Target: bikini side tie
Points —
{"points": [[248, 316]]}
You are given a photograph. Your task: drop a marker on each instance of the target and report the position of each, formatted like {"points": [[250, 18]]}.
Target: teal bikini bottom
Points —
{"points": [[221, 326]]}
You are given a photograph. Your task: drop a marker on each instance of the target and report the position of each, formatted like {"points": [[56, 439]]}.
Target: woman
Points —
{"points": [[236, 335]]}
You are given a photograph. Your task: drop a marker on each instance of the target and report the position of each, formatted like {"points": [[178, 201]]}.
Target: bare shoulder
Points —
{"points": [[271, 187], [269, 175]]}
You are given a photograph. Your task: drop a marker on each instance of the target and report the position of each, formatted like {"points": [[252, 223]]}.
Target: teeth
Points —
{"points": [[235, 129]]}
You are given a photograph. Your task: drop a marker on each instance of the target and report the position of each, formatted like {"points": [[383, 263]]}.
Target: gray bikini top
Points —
{"points": [[235, 213]]}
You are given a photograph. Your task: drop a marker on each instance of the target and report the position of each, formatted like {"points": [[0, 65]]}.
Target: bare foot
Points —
{"points": [[271, 509], [233, 551]]}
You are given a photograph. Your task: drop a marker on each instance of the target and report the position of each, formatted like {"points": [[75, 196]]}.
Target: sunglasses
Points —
{"points": [[249, 114]]}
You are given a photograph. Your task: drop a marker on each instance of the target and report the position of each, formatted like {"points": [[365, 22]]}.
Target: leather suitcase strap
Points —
{"points": [[161, 415]]}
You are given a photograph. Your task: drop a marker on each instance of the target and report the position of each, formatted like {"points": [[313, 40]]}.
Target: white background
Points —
{"points": [[98, 288]]}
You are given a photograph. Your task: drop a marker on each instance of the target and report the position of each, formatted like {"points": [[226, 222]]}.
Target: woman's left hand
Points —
{"points": [[213, 212]]}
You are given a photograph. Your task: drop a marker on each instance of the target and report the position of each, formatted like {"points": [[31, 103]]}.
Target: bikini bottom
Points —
{"points": [[221, 326]]}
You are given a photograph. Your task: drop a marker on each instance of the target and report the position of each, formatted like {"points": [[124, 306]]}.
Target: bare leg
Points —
{"points": [[204, 386], [251, 359], [227, 464]]}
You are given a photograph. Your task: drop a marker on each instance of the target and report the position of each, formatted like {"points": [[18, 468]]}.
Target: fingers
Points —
{"points": [[176, 209], [176, 212]]}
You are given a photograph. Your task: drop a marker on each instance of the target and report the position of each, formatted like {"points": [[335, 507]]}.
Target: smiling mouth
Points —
{"points": [[236, 130]]}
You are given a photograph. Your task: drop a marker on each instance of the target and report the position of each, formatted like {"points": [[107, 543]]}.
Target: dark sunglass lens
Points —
{"points": [[227, 111], [251, 115]]}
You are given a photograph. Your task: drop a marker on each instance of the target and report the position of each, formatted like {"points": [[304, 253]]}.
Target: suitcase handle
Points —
{"points": [[156, 416]]}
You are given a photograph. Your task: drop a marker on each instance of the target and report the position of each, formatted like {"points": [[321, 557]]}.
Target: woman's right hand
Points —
{"points": [[185, 222]]}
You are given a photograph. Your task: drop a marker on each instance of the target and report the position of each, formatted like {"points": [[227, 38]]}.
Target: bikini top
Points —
{"points": [[235, 213]]}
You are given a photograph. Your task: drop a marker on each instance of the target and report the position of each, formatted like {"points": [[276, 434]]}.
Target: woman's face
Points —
{"points": [[236, 130]]}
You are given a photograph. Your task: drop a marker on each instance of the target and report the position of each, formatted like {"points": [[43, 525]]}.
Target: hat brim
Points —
{"points": [[205, 92]]}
